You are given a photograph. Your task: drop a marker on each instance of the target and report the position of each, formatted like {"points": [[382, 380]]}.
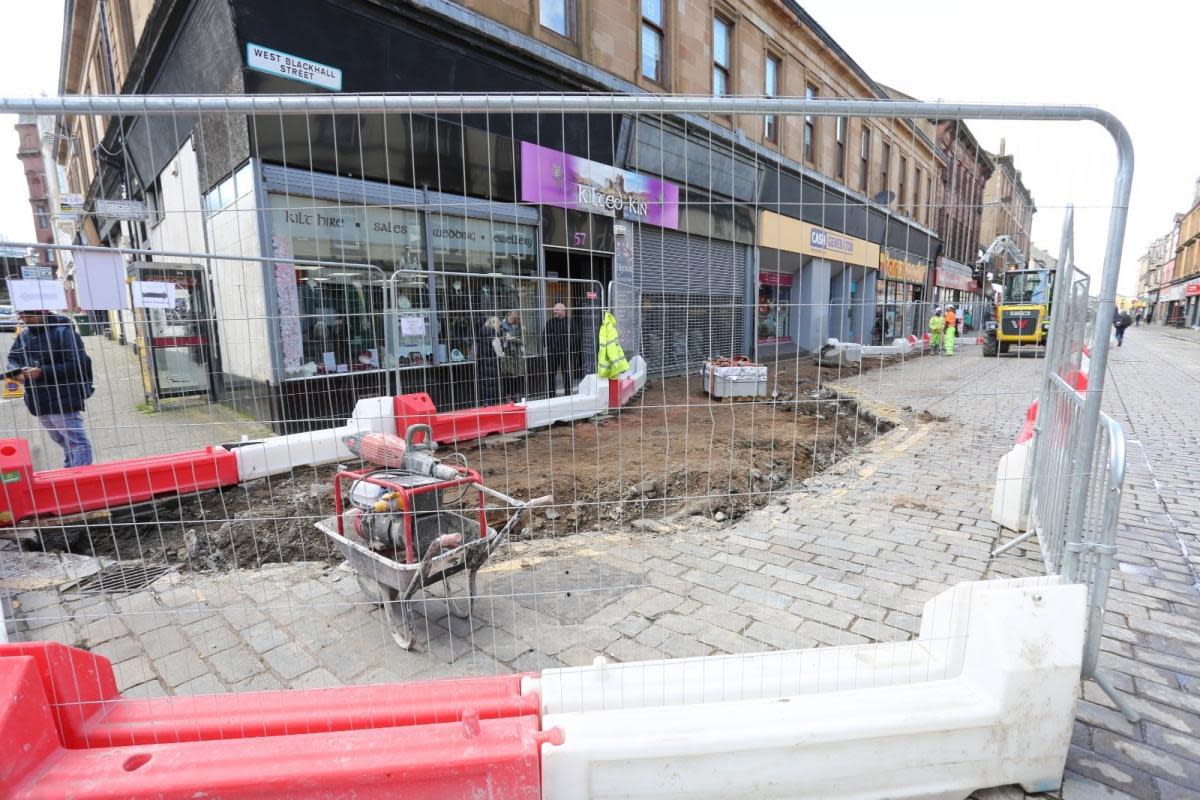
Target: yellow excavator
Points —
{"points": [[1023, 315]]}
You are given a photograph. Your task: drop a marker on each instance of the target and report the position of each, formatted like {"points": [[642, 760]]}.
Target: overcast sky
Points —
{"points": [[1134, 63]]}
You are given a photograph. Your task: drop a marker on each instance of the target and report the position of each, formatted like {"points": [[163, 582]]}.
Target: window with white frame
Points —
{"points": [[722, 61], [771, 89], [653, 41]]}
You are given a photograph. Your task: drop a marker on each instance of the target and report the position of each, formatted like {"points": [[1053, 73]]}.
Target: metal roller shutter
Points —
{"points": [[692, 292]]}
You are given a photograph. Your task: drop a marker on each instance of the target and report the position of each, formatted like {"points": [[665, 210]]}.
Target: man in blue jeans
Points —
{"points": [[57, 374]]}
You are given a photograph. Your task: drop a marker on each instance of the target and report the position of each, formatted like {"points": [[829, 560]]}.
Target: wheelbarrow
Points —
{"points": [[437, 546]]}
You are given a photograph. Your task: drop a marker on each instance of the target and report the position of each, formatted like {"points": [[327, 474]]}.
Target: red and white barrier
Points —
{"points": [[1009, 509], [984, 697], [62, 492]]}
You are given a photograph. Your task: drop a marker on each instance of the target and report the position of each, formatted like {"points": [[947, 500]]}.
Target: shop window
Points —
{"points": [[558, 16], [721, 38], [231, 189], [342, 308], [653, 39], [774, 307], [485, 269]]}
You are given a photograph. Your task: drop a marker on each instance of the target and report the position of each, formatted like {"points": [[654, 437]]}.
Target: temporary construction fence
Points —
{"points": [[1075, 521], [311, 276]]}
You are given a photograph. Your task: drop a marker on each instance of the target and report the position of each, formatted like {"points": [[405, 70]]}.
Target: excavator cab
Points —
{"points": [[1023, 315]]}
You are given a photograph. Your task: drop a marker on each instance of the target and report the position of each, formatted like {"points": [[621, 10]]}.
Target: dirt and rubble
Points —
{"points": [[673, 452]]}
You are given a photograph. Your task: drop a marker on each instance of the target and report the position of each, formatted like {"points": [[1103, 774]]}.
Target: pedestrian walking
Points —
{"points": [[951, 329], [49, 358], [560, 340], [1121, 321], [488, 352], [937, 325], [1137, 318]]}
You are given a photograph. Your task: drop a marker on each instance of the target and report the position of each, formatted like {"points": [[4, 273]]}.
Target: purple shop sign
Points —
{"points": [[556, 179]]}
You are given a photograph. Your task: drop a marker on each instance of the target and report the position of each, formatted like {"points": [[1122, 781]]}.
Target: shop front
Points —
{"points": [[901, 284], [954, 285], [1179, 305], [392, 298], [813, 284]]}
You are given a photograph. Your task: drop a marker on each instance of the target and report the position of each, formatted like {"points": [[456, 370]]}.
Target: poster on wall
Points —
{"points": [[626, 300], [288, 304], [553, 178], [100, 280]]}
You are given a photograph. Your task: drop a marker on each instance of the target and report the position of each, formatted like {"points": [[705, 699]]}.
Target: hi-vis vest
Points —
{"points": [[937, 324], [610, 361]]}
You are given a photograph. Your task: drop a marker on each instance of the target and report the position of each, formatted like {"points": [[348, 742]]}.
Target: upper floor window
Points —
{"points": [[558, 16], [771, 89], [918, 208], [653, 29], [43, 216], [810, 127], [721, 57], [928, 198], [885, 167], [839, 163], [901, 190], [864, 157]]}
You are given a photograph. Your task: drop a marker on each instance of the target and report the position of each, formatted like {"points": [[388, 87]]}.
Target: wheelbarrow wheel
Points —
{"points": [[375, 591]]}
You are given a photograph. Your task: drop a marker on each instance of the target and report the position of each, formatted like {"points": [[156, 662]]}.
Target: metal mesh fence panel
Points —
{"points": [[651, 390]]}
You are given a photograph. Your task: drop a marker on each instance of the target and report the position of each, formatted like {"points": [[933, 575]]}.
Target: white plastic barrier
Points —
{"points": [[1008, 510], [637, 371], [985, 697], [279, 454], [590, 399]]}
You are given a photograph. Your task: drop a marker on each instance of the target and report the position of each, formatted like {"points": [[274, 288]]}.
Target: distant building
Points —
{"points": [[1179, 286], [1008, 206], [1041, 259]]}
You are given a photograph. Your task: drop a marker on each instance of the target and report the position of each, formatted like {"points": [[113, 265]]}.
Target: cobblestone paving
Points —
{"points": [[849, 557]]}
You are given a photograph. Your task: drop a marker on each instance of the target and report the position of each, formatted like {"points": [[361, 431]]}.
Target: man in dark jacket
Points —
{"points": [[1121, 321], [57, 374], [561, 338]]}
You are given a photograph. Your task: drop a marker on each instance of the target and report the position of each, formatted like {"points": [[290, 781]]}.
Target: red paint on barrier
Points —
{"points": [[456, 426], [77, 737], [72, 490]]}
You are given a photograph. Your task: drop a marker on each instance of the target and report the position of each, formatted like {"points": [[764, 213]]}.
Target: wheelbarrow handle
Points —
{"points": [[522, 508]]}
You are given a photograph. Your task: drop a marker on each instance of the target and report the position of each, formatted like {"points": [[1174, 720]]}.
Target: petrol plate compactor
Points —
{"points": [[402, 535]]}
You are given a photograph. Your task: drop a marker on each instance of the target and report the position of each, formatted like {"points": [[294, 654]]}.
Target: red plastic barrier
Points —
{"points": [[620, 391], [71, 490], [16, 481], [74, 682], [93, 714], [77, 738], [457, 426]]}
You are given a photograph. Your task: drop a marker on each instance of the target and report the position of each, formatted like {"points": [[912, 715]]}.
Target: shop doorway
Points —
{"points": [[584, 301]]}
